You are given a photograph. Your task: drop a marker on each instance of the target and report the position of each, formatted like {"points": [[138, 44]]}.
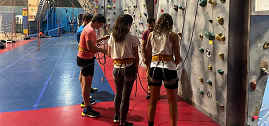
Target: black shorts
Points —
{"points": [[158, 75], [86, 65]]}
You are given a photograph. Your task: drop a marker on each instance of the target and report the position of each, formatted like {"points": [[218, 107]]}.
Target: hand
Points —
{"points": [[105, 51], [106, 37]]}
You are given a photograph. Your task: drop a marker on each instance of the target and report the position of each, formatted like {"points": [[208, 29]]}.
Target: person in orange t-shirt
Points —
{"points": [[85, 59]]}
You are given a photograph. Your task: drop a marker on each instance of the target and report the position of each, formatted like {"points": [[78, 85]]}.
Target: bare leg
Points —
{"points": [[154, 97], [86, 85], [173, 110]]}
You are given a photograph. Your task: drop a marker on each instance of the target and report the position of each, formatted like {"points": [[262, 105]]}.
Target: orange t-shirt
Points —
{"points": [[87, 34]]}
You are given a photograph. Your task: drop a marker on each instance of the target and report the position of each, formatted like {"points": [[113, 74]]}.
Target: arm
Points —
{"points": [[144, 44], [136, 57], [109, 51], [176, 48], [103, 38], [92, 48], [148, 55]]}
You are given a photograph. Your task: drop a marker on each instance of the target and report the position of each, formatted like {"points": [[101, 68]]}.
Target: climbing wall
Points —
{"points": [[258, 63]]}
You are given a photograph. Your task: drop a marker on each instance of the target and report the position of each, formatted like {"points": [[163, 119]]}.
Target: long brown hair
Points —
{"points": [[164, 25], [120, 26]]}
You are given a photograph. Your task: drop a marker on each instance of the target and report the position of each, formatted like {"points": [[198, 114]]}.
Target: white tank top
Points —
{"points": [[162, 46]]}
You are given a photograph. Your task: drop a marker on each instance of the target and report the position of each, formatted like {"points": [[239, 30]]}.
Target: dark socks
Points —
{"points": [[150, 123]]}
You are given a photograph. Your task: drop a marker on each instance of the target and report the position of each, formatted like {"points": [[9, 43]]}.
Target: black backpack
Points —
{"points": [[2, 46]]}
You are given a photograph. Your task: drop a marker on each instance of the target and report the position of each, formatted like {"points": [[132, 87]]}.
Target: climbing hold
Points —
{"points": [[96, 7], [253, 85], [155, 1], [162, 10], [201, 36], [108, 1], [220, 37], [264, 71], [266, 45], [114, 13], [210, 67], [109, 7], [213, 2], [108, 19], [209, 82], [201, 92], [210, 35], [108, 24], [220, 104], [209, 95], [144, 5], [102, 7], [145, 14], [181, 8], [180, 35], [208, 52], [95, 0], [114, 6], [255, 117], [210, 20], [124, 10], [114, 1], [222, 1], [108, 12], [200, 79], [140, 15], [134, 6], [134, 15], [220, 20], [202, 3], [220, 71], [221, 55], [201, 50], [141, 22], [176, 7]]}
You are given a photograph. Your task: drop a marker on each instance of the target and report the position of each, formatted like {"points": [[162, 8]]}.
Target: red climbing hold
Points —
{"points": [[162, 10], [155, 1], [114, 0], [255, 117]]}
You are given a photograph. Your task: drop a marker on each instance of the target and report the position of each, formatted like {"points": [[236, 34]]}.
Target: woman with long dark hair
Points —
{"points": [[162, 45], [123, 49]]}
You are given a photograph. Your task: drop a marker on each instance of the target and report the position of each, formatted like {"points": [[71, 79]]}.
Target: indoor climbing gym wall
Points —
{"points": [[258, 63]]}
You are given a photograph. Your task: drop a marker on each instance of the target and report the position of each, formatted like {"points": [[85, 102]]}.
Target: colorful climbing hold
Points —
{"points": [[108, 12], [210, 20], [264, 71], [255, 117], [201, 50], [114, 6], [202, 3], [181, 8], [266, 45], [114, 1], [200, 79], [213, 2], [109, 7], [210, 67], [144, 5], [176, 7], [253, 85], [155, 1], [220, 71], [162, 10], [140, 15], [108, 19], [221, 55], [114, 13], [222, 1], [201, 92], [220, 104], [201, 36], [220, 20], [220, 37], [209, 82], [208, 52], [145, 14], [210, 35], [108, 24]]}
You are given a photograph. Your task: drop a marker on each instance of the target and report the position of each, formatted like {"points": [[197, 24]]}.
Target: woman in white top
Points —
{"points": [[123, 49], [162, 45]]}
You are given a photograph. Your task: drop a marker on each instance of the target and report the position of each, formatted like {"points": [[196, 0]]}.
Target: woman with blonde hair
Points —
{"points": [[162, 45], [123, 49]]}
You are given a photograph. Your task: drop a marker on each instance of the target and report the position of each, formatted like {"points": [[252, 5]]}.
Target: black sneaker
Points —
{"points": [[90, 113], [92, 101], [116, 119], [148, 96], [127, 124]]}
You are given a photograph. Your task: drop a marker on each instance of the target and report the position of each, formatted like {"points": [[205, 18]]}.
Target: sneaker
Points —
{"points": [[127, 124], [92, 101], [116, 119], [93, 89], [90, 113]]}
